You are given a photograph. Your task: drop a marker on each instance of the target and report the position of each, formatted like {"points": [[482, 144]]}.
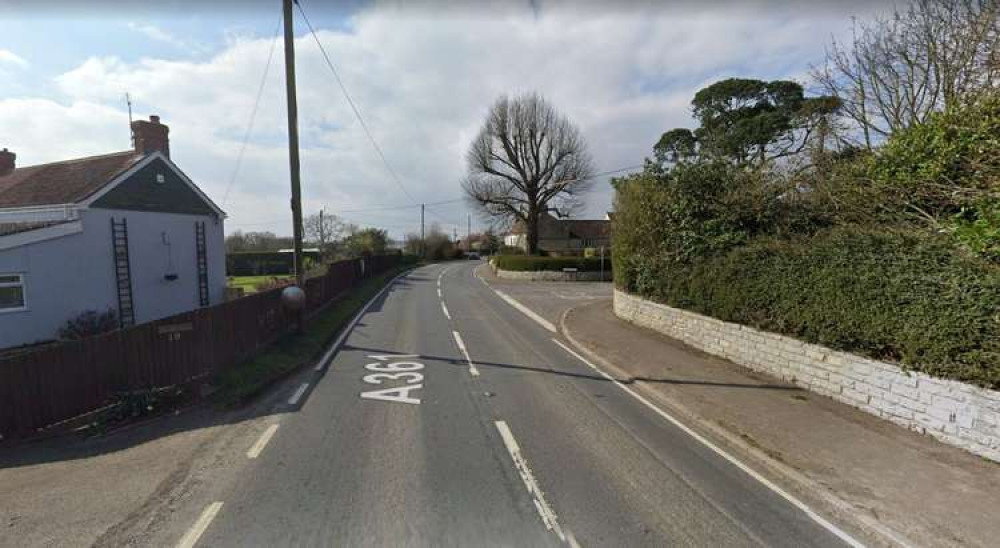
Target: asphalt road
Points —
{"points": [[401, 441]]}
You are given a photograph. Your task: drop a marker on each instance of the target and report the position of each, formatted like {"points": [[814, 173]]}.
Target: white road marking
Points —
{"points": [[544, 510], [440, 296], [357, 317], [445, 309], [525, 310], [465, 352], [258, 447], [298, 394], [199, 527], [841, 534]]}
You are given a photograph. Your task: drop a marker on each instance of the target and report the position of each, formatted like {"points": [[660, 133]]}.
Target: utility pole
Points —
{"points": [[468, 235], [322, 239], [423, 242], [293, 149]]}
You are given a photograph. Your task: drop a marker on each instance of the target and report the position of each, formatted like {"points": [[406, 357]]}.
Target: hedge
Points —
{"points": [[898, 296], [557, 264]]}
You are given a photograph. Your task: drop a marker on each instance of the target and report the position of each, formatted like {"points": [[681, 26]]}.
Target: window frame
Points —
{"points": [[23, 284]]}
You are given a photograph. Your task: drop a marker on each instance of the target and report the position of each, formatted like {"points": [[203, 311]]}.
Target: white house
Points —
{"points": [[127, 231]]}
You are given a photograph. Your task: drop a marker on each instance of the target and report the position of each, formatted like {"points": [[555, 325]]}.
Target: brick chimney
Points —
{"points": [[6, 162], [151, 136]]}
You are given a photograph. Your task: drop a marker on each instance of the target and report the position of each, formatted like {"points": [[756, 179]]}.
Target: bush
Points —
{"points": [[524, 263], [891, 295], [88, 324]]}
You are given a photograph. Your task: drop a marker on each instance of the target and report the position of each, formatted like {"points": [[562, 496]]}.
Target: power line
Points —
{"points": [[357, 113], [253, 114]]}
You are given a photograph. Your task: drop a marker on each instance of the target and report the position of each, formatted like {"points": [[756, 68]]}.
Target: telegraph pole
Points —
{"points": [[423, 244], [468, 235], [322, 239], [293, 149]]}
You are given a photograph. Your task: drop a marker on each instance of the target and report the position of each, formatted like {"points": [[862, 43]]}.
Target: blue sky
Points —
{"points": [[422, 73]]}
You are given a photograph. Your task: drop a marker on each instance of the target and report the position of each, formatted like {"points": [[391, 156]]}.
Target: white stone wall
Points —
{"points": [[552, 276], [956, 413]]}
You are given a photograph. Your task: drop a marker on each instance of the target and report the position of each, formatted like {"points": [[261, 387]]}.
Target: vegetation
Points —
{"points": [[525, 263], [893, 253], [527, 160], [88, 324], [293, 350]]}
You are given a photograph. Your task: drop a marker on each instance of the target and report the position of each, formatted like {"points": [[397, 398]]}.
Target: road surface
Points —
{"points": [[451, 418]]}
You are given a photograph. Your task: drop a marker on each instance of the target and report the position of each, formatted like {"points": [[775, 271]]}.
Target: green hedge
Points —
{"points": [[531, 263], [906, 297]]}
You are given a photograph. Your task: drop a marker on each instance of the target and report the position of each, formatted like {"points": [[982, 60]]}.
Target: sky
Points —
{"points": [[422, 74]]}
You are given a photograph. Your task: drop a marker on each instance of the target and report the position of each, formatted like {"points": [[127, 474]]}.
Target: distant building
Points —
{"points": [[563, 236], [127, 231]]}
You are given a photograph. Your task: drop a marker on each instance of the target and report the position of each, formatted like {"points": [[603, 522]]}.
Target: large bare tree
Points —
{"points": [[527, 159], [899, 68]]}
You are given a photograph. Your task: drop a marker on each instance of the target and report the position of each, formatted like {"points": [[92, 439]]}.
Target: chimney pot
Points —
{"points": [[7, 162], [151, 136]]}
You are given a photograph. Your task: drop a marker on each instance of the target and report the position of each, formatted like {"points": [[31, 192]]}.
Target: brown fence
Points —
{"points": [[63, 381]]}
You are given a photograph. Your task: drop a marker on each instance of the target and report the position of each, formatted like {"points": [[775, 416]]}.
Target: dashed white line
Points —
{"points": [[465, 352], [298, 394], [544, 510], [258, 447], [204, 520], [841, 534], [444, 308]]}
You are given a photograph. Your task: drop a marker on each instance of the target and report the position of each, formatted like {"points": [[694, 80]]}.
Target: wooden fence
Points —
{"points": [[59, 382]]}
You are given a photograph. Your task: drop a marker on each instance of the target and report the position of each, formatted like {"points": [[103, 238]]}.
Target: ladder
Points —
{"points": [[123, 272], [202, 260]]}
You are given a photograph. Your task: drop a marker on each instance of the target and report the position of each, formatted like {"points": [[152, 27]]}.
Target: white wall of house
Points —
{"points": [[71, 274]]}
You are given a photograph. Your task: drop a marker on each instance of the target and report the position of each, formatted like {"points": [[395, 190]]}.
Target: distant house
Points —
{"points": [[127, 231], [563, 236]]}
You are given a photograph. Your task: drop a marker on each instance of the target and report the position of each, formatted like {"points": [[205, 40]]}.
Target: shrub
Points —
{"points": [[88, 324], [891, 295], [525, 263]]}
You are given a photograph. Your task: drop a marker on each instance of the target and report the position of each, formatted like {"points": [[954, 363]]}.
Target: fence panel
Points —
{"points": [[59, 382]]}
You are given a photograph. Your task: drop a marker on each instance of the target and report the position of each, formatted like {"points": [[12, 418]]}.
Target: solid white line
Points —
{"points": [[258, 447], [445, 309], [298, 394], [544, 510], [526, 311], [357, 317], [439, 293], [196, 530], [465, 352], [843, 535]]}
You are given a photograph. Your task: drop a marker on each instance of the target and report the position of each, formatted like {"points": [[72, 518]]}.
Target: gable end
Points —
{"points": [[143, 191]]}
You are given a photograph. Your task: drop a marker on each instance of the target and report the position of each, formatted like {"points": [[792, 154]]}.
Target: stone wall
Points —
{"points": [[552, 276], [956, 413]]}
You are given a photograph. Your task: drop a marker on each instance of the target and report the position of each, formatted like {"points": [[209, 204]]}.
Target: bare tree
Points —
{"points": [[527, 159], [323, 229], [898, 69]]}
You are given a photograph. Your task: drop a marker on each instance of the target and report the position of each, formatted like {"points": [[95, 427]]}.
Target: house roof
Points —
{"points": [[551, 228], [63, 182]]}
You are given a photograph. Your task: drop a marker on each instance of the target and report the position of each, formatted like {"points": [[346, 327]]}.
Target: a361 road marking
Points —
{"points": [[394, 368]]}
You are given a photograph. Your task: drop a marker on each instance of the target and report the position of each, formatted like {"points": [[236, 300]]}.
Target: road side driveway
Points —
{"points": [[547, 299]]}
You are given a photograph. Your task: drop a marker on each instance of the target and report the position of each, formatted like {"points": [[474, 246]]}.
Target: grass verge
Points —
{"points": [[293, 350]]}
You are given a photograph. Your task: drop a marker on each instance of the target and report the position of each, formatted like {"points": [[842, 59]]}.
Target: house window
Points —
{"points": [[12, 293]]}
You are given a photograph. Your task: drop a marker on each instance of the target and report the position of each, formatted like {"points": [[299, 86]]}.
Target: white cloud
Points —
{"points": [[11, 58], [156, 33], [423, 82]]}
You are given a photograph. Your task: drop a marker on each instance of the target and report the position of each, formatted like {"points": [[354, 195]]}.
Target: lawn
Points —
{"points": [[249, 283]]}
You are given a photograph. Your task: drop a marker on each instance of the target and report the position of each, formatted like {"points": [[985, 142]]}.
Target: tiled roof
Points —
{"points": [[551, 228], [63, 182]]}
